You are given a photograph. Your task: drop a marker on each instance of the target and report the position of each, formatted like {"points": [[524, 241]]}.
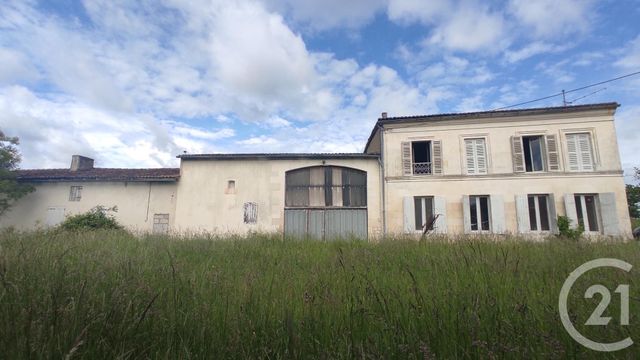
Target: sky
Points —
{"points": [[135, 83]]}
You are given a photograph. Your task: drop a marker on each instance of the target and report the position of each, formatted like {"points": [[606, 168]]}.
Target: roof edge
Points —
{"points": [[491, 114], [277, 156]]}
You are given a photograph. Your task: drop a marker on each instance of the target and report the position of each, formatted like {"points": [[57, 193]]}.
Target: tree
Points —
{"points": [[633, 199], [633, 196], [10, 188]]}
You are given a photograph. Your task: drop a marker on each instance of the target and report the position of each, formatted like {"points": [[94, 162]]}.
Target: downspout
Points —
{"points": [[382, 181]]}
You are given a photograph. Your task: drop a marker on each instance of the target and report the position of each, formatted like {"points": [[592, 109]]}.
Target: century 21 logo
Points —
{"points": [[596, 317]]}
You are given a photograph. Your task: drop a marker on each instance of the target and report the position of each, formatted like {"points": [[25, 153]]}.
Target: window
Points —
{"points": [[160, 223], [231, 187], [250, 213], [326, 186], [421, 157], [580, 152], [476, 154], [587, 212], [423, 206], [539, 212], [535, 153], [75, 193], [533, 147], [479, 213]]}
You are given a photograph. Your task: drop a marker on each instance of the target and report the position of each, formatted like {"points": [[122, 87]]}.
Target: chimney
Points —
{"points": [[79, 162], [384, 115]]}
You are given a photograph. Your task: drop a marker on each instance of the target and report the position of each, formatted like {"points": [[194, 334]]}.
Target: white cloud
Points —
{"points": [[327, 14], [630, 55], [533, 49], [260, 141], [553, 18], [628, 128], [417, 10], [471, 28]]}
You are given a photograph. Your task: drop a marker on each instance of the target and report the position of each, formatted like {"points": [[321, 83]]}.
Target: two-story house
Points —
{"points": [[497, 172], [503, 171]]}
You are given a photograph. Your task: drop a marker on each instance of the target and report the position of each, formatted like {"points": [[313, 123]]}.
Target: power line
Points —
{"points": [[569, 91]]}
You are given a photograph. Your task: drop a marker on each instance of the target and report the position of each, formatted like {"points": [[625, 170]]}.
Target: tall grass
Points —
{"points": [[112, 295]]}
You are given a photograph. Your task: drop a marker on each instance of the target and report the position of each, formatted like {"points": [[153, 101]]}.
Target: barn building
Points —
{"points": [[495, 172]]}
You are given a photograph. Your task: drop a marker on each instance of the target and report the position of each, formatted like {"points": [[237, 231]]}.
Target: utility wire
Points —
{"points": [[568, 91], [582, 97]]}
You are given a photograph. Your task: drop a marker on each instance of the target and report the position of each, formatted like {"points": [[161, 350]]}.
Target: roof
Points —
{"points": [[99, 174], [277, 156], [480, 115]]}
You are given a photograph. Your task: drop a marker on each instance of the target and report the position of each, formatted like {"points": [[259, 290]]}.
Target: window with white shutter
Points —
{"points": [[580, 152], [75, 193], [250, 213], [476, 156]]}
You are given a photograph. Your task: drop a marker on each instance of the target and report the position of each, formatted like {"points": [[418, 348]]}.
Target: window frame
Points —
{"points": [[479, 219], [77, 194], [423, 207], [536, 198], [352, 186], [543, 152], [430, 156], [250, 212], [465, 157], [595, 159], [583, 211], [158, 221]]}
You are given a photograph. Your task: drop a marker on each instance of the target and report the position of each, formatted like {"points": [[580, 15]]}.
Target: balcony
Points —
{"points": [[423, 168]]}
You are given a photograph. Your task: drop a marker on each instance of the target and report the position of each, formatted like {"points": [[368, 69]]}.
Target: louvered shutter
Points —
{"points": [[553, 159], [570, 210], [517, 154], [440, 209], [553, 215], [609, 214], [572, 152], [497, 214], [437, 157], [522, 213], [476, 156], [466, 214], [406, 159], [481, 156], [409, 215], [470, 152], [586, 153]]}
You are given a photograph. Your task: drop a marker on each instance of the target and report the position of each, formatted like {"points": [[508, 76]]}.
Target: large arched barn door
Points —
{"points": [[326, 202]]}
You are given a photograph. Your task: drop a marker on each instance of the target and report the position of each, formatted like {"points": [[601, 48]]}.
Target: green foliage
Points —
{"points": [[99, 217], [10, 189], [633, 199], [566, 231], [108, 294]]}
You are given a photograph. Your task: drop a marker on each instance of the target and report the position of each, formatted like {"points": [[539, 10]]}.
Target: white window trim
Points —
{"points": [[478, 215], [565, 147], [78, 193], [537, 210], [583, 205], [423, 209], [463, 153]]}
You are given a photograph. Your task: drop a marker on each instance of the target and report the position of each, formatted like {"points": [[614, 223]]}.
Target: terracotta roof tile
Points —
{"points": [[99, 174]]}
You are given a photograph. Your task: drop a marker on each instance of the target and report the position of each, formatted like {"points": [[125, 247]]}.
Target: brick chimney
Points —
{"points": [[79, 162]]}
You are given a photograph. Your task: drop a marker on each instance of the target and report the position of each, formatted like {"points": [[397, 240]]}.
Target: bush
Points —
{"points": [[99, 217], [565, 230]]}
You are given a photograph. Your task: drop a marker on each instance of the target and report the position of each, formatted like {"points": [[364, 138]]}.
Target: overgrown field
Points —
{"points": [[111, 295]]}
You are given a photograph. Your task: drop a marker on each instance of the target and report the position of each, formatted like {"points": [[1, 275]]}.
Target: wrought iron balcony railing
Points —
{"points": [[423, 168]]}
